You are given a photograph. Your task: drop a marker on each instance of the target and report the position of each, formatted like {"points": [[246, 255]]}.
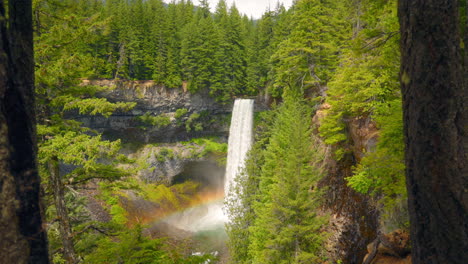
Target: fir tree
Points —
{"points": [[61, 64], [308, 56], [283, 225]]}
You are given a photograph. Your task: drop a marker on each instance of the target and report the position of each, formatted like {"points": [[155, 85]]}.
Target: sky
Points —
{"points": [[252, 8]]}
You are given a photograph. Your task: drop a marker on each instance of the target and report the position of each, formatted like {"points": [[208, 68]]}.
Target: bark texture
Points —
{"points": [[433, 89], [62, 212], [23, 237]]}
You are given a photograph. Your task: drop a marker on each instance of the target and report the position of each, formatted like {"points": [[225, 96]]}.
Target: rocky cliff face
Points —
{"points": [[153, 100], [177, 163], [152, 131], [354, 218]]}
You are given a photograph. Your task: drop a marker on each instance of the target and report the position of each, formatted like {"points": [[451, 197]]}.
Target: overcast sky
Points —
{"points": [[252, 8]]}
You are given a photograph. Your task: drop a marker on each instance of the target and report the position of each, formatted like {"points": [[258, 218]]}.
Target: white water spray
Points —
{"points": [[211, 216], [240, 140]]}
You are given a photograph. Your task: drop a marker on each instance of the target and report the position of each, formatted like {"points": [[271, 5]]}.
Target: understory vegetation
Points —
{"points": [[339, 57]]}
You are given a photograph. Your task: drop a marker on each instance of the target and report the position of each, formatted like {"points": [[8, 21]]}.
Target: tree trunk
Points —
{"points": [[23, 237], [62, 212], [432, 84]]}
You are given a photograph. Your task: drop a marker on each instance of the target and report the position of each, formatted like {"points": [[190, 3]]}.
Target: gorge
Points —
{"points": [[205, 216], [135, 101], [211, 217]]}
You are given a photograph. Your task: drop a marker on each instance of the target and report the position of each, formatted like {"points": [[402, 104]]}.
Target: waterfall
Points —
{"points": [[210, 216], [240, 140]]}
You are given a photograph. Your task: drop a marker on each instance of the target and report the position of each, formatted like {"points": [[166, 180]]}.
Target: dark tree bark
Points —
{"points": [[62, 212], [23, 239], [435, 124]]}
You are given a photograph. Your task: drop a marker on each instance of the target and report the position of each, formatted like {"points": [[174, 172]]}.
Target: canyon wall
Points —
{"points": [[153, 100], [354, 217]]}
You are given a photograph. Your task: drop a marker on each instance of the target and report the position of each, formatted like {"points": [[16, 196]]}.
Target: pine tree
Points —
{"points": [[365, 86], [286, 228], [61, 64], [231, 53], [259, 52], [308, 56], [157, 57], [199, 51]]}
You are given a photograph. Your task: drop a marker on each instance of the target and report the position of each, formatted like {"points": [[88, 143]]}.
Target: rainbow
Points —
{"points": [[205, 213]]}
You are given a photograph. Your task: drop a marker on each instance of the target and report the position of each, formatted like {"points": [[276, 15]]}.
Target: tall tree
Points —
{"points": [[287, 228], [23, 237], [435, 127], [309, 55], [60, 65]]}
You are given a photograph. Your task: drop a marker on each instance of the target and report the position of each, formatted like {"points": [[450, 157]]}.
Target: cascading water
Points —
{"points": [[210, 216], [240, 140], [205, 222]]}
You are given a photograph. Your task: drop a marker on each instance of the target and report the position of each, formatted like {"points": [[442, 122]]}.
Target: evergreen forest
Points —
{"points": [[325, 180]]}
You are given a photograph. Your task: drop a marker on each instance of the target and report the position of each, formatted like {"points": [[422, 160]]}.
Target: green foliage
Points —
{"points": [[306, 59], [382, 172], [92, 106], [208, 146], [191, 123], [132, 247], [198, 61], [159, 121], [165, 153], [110, 194], [211, 145], [231, 54], [368, 77], [170, 198], [283, 222], [180, 113], [366, 86], [128, 247], [76, 148]]}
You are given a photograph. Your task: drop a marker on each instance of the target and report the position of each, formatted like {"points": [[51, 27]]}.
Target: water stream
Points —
{"points": [[207, 221], [240, 140]]}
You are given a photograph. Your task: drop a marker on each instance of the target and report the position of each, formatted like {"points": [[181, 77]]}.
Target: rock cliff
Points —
{"points": [[354, 218], [202, 115]]}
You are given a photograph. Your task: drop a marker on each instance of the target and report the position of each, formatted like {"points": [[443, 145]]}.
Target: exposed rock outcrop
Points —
{"points": [[176, 163], [151, 96], [354, 218], [155, 100], [392, 248]]}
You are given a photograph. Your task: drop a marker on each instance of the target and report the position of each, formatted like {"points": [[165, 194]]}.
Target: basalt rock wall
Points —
{"points": [[204, 115], [354, 217]]}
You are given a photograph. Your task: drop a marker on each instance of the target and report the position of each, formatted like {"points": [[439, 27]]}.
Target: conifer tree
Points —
{"points": [[158, 51], [232, 53], [286, 228], [308, 56], [60, 65], [258, 52], [365, 86]]}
